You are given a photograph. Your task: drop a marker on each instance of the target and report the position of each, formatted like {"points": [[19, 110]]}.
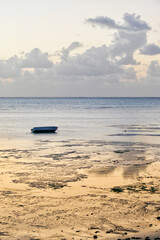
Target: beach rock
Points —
{"points": [[147, 238], [34, 238], [136, 238], [121, 151], [95, 236], [93, 228], [110, 231], [3, 234]]}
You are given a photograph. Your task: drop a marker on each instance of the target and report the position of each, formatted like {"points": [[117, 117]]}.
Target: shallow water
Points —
{"points": [[111, 119]]}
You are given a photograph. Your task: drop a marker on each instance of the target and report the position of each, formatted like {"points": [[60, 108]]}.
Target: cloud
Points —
{"points": [[108, 63], [103, 22], [124, 46], [17, 68], [66, 51], [151, 82], [130, 36], [98, 69], [154, 70], [129, 74], [134, 23], [9, 69], [93, 62], [36, 59], [150, 49], [131, 23]]}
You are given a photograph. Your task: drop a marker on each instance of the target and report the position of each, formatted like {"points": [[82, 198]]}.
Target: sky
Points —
{"points": [[79, 48]]}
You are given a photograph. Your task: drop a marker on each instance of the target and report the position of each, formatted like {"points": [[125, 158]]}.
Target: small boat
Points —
{"points": [[44, 129]]}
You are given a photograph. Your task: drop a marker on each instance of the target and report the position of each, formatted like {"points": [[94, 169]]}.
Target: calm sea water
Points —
{"points": [[126, 119]]}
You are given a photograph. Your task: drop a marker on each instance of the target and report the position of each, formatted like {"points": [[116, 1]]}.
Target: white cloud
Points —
{"points": [[134, 23], [124, 46], [66, 51], [154, 70], [9, 69], [93, 62], [131, 23], [150, 49], [129, 74], [36, 59], [97, 69], [130, 36]]}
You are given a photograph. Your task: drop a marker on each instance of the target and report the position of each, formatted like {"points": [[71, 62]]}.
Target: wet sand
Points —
{"points": [[79, 190]]}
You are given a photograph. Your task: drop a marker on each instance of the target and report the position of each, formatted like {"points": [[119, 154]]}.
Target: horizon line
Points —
{"points": [[87, 97]]}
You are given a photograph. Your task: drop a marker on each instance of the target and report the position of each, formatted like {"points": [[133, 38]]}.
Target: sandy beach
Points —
{"points": [[79, 190]]}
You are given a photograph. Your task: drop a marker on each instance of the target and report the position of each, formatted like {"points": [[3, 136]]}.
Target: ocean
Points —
{"points": [[111, 119]]}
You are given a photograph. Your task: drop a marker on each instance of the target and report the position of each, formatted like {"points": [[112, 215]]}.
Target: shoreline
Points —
{"points": [[79, 190]]}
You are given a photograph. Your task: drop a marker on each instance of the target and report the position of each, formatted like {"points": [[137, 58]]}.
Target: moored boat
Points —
{"points": [[50, 129]]}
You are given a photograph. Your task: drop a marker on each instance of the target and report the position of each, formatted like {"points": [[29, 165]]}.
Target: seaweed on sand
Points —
{"points": [[117, 189]]}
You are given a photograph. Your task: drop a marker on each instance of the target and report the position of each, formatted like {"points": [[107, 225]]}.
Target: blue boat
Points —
{"points": [[44, 129]]}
